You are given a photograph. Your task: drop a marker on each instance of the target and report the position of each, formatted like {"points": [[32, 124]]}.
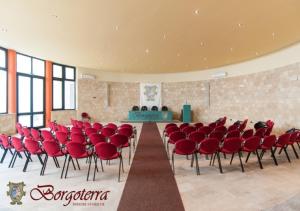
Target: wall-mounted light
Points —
{"points": [[217, 75]]}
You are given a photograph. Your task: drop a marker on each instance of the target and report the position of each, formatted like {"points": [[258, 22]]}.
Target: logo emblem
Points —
{"points": [[16, 192]]}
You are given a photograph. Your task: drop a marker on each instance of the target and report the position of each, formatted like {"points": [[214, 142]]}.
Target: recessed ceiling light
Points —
{"points": [[256, 53], [165, 36], [201, 43], [147, 50], [116, 27], [196, 12], [204, 58], [178, 54], [231, 49], [273, 35]]}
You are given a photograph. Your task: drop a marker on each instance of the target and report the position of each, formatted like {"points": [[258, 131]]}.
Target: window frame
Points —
{"points": [[62, 80], [31, 76], [6, 70]]}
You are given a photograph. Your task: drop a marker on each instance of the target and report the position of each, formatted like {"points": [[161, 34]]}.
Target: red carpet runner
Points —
{"points": [[151, 184]]}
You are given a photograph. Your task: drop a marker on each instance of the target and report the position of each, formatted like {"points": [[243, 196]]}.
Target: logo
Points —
{"points": [[16, 192]]}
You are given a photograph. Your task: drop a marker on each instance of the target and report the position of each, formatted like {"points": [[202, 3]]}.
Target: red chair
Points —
{"points": [[267, 144], [221, 121], [232, 146], [53, 150], [107, 151], [198, 125], [270, 125], [183, 125], [205, 129], [197, 137], [187, 130], [212, 126], [260, 132], [112, 125], [128, 132], [121, 141], [76, 130], [64, 129], [168, 131], [233, 127], [19, 148], [251, 145], [36, 134], [79, 124], [107, 132], [86, 125], [170, 125], [247, 134], [233, 133], [210, 146], [78, 138], [174, 137], [218, 135], [97, 126], [20, 130], [243, 125], [78, 151], [96, 138], [74, 122], [62, 138], [221, 129], [293, 139], [26, 132], [185, 147], [5, 143], [33, 148], [53, 127], [90, 130], [47, 135], [282, 143]]}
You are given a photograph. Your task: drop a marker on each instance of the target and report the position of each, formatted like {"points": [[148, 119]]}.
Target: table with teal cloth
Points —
{"points": [[150, 116]]}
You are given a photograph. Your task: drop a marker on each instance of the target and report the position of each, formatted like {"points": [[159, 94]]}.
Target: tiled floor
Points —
{"points": [[273, 188]]}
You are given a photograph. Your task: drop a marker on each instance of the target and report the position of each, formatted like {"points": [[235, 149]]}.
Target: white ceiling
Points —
{"points": [[155, 36]]}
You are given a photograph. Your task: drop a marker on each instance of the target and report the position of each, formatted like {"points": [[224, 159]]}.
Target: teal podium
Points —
{"points": [[186, 114]]}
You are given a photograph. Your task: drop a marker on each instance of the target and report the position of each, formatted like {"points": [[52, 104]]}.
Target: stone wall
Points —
{"points": [[8, 123], [63, 116]]}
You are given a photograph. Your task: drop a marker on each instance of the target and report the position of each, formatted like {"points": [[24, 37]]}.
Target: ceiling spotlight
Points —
{"points": [[165, 36], [204, 58], [201, 43], [196, 12], [273, 35], [256, 53], [178, 54], [147, 51], [231, 49], [116, 27]]}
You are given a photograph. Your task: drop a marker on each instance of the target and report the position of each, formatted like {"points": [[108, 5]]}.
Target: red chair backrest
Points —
{"points": [[252, 143], [79, 124], [222, 121], [76, 130], [170, 125], [90, 130], [32, 146], [187, 130], [221, 128], [233, 127], [53, 127], [35, 134], [112, 125], [47, 135], [217, 134], [76, 149], [78, 138], [260, 132], [233, 133], [97, 126], [270, 125], [294, 136], [284, 139], [5, 141], [17, 144], [126, 131], [247, 133], [243, 125], [206, 129], [63, 128], [212, 126], [183, 125], [185, 147], [107, 131], [232, 145], [209, 146], [19, 129], [96, 138], [62, 137], [269, 141], [198, 124], [126, 125], [51, 148], [172, 129], [118, 140], [105, 150], [26, 132], [74, 122], [197, 136], [87, 125], [176, 136]]}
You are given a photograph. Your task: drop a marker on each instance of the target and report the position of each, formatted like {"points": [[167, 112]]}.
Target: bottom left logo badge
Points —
{"points": [[16, 192]]}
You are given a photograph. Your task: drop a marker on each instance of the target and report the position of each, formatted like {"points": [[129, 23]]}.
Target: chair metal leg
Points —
{"points": [[249, 153], [95, 168], [63, 169], [287, 155], [211, 158], [101, 165], [77, 164], [13, 157], [273, 156], [280, 151], [122, 165], [168, 153], [87, 178], [219, 161], [259, 161], [192, 160], [14, 161], [40, 159], [129, 155], [231, 158], [3, 156], [262, 154], [296, 154], [241, 162], [69, 159], [44, 166], [72, 162], [197, 165], [121, 160], [26, 163]]}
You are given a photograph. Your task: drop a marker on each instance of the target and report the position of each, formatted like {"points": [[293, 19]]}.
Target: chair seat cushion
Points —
{"points": [[115, 156], [179, 152]]}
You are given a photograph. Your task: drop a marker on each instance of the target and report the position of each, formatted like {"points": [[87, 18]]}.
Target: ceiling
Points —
{"points": [[142, 36]]}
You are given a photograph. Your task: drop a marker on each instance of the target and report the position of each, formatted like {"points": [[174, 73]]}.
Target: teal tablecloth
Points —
{"points": [[150, 116]]}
